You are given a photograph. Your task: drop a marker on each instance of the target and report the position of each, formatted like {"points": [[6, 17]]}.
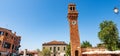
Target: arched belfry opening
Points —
{"points": [[76, 53]]}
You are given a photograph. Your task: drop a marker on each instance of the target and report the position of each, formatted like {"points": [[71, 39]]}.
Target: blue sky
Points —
{"points": [[39, 21]]}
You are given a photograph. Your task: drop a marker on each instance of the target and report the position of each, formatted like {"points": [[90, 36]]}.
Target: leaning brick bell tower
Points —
{"points": [[74, 32]]}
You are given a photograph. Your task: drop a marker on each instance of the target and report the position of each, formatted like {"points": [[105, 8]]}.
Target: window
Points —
{"points": [[58, 48], [19, 41], [50, 48], [12, 37], [12, 46], [16, 48], [7, 45], [43, 47], [0, 42], [64, 48], [71, 8], [6, 34], [54, 49], [1, 33]]}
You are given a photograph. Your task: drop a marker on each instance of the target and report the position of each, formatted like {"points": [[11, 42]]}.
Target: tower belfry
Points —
{"points": [[74, 32]]}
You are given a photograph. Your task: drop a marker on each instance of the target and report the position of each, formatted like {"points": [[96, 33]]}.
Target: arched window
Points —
{"points": [[71, 8]]}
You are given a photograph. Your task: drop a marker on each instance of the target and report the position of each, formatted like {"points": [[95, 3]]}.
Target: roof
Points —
{"points": [[72, 4], [29, 52], [5, 29], [55, 43]]}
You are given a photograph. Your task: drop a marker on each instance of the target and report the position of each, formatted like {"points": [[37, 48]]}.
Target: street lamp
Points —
{"points": [[116, 10]]}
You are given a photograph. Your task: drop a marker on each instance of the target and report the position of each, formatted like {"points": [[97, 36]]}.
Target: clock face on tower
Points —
{"points": [[74, 22]]}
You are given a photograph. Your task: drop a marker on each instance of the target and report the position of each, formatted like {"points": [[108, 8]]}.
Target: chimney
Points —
{"points": [[25, 52]]}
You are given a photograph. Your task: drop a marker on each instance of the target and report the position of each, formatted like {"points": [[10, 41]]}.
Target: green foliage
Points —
{"points": [[46, 52], [86, 44], [39, 52], [118, 44], [109, 35], [101, 45], [68, 51]]}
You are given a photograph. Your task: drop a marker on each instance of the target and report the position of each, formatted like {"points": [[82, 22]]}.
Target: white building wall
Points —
{"points": [[60, 52]]}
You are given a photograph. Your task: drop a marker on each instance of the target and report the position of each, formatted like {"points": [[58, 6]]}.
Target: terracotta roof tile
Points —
{"points": [[55, 43]]}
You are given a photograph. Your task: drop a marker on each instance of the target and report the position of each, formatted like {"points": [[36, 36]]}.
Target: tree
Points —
{"points": [[39, 52], [68, 51], [101, 45], [109, 35], [46, 52], [86, 44]]}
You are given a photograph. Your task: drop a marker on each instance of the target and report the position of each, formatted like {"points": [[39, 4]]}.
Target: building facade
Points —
{"points": [[28, 53], [57, 48], [9, 42]]}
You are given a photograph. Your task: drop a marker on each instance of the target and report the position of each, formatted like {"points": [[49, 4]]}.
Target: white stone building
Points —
{"points": [[57, 48]]}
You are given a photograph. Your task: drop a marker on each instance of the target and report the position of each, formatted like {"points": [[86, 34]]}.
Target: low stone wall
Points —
{"points": [[93, 49], [100, 54]]}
